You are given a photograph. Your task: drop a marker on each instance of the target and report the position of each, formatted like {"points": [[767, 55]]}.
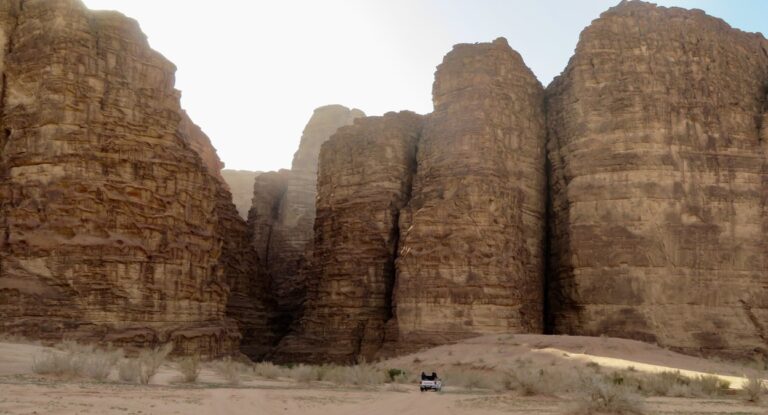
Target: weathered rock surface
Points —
{"points": [[248, 303], [282, 225], [364, 180], [659, 182], [201, 143], [111, 225], [240, 184], [471, 246]]}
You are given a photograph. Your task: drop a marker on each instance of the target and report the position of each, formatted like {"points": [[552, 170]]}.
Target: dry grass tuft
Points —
{"points": [[229, 370], [77, 361], [755, 389], [190, 368], [268, 370], [597, 396], [143, 368]]}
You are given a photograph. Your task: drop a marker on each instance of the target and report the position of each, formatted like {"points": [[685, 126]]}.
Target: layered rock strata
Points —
{"points": [[283, 214], [240, 183], [248, 303], [364, 180], [659, 182], [470, 258], [110, 225]]}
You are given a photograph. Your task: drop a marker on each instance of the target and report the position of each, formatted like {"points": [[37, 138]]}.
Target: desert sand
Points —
{"points": [[24, 392]]}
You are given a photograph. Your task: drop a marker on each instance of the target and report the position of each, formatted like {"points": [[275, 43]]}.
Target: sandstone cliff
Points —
{"points": [[283, 213], [462, 218], [248, 303], [471, 246], [240, 183], [364, 180], [659, 182], [111, 226]]}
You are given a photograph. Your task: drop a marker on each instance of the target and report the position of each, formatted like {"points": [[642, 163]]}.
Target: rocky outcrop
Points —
{"points": [[283, 213], [111, 225], [659, 182], [471, 246], [240, 184], [364, 180], [460, 220]]}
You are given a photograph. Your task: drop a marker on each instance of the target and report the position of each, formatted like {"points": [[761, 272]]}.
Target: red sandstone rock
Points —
{"points": [[471, 237], [364, 180], [110, 226], [658, 182], [283, 214]]}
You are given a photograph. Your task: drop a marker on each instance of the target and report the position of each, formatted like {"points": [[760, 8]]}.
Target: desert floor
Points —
{"points": [[24, 392]]}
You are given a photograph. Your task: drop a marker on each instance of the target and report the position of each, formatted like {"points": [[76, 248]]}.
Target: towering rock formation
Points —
{"points": [[471, 246], [240, 184], [283, 213], [248, 303], [659, 182], [111, 226], [364, 180], [463, 217]]}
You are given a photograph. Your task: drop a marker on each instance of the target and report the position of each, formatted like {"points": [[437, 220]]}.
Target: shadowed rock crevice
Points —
{"points": [[283, 237], [363, 183]]}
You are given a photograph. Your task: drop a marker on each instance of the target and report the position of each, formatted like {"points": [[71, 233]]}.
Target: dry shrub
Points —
{"points": [[469, 378], [144, 367], [129, 370], [229, 370], [309, 373], [361, 374], [190, 368], [674, 384], [528, 381], [755, 389], [75, 360], [56, 364], [600, 396], [267, 370], [303, 373]]}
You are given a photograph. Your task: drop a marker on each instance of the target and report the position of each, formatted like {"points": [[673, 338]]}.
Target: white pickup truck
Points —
{"points": [[430, 382]]}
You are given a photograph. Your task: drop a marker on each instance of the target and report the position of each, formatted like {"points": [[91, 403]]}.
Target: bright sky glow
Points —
{"points": [[251, 72]]}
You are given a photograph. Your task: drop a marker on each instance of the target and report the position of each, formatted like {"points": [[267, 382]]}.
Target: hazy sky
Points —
{"points": [[251, 72]]}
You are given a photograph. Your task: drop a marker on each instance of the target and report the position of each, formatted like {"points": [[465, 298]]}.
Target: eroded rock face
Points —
{"points": [[470, 255], [248, 304], [364, 180], [283, 213], [240, 184], [110, 221], [201, 143], [659, 182]]}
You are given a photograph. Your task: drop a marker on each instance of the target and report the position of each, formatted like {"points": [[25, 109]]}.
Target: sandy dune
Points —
{"points": [[23, 392]]}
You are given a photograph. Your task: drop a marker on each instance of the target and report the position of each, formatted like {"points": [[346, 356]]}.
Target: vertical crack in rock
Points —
{"points": [[363, 182], [291, 228], [659, 182]]}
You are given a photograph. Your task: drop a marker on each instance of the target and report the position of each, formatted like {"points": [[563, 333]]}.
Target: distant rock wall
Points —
{"points": [[659, 182], [240, 184], [364, 180]]}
